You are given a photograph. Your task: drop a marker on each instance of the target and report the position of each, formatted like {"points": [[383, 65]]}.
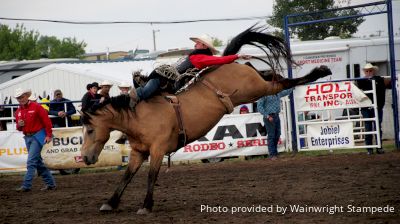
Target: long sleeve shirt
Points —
{"points": [[201, 60], [271, 104], [35, 118]]}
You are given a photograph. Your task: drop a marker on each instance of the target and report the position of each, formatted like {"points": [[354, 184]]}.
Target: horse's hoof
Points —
{"points": [[143, 211], [105, 208]]}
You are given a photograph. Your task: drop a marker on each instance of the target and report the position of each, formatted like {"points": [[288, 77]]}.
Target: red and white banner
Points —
{"points": [[329, 136], [330, 95], [234, 135]]}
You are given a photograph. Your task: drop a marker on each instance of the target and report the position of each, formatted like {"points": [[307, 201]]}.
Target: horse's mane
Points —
{"points": [[117, 102], [256, 36]]}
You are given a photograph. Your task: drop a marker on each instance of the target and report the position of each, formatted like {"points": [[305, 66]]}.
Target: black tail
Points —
{"points": [[255, 36]]}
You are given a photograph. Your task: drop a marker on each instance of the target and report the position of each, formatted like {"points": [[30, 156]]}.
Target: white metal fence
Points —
{"points": [[332, 116]]}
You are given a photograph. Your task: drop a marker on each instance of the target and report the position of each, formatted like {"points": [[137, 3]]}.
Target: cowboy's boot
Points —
{"points": [[134, 98]]}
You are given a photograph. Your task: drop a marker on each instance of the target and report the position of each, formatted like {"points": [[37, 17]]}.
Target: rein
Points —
{"points": [[223, 97]]}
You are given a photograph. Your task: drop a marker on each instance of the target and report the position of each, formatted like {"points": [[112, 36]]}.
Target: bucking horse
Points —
{"points": [[161, 125]]}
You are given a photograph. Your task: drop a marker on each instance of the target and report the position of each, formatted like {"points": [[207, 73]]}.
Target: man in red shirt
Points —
{"points": [[35, 123], [200, 57]]}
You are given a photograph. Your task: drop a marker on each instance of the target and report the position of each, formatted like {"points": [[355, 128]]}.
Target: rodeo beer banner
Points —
{"points": [[331, 95], [63, 152], [328, 136], [234, 135]]}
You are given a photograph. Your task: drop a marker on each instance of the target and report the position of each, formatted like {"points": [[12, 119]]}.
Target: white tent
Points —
{"points": [[72, 78]]}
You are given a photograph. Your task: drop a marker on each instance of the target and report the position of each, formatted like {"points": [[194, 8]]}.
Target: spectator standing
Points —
{"points": [[371, 73], [244, 109], [34, 122], [104, 91], [57, 109], [269, 107], [124, 87], [90, 96]]}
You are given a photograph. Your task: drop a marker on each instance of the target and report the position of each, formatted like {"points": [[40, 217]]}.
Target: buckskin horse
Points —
{"points": [[153, 127]]}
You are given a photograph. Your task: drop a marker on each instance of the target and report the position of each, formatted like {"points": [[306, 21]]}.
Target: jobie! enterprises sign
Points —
{"points": [[336, 135]]}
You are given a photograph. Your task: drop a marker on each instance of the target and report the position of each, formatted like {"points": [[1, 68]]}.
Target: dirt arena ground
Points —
{"points": [[227, 190]]}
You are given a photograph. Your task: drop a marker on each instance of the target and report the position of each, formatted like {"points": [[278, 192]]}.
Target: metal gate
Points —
{"points": [[328, 115]]}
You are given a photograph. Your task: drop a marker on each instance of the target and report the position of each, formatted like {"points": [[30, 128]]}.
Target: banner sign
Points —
{"points": [[319, 59], [13, 152], [329, 136], [330, 95], [234, 135], [64, 151]]}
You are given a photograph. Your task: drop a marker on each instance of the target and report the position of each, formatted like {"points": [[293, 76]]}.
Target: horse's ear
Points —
{"points": [[85, 117]]}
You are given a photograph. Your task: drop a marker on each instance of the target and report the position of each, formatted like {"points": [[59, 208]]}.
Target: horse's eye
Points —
{"points": [[90, 131]]}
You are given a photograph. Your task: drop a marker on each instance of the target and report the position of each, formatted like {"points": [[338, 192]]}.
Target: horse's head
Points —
{"points": [[96, 132], [98, 122]]}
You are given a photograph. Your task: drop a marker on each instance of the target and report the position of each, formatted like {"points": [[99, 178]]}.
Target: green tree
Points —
{"points": [[316, 31], [18, 43], [46, 46], [51, 47], [217, 42]]}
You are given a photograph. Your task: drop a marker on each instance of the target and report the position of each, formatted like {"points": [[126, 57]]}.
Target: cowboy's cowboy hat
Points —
{"points": [[370, 66], [33, 97], [19, 92], [124, 85], [206, 40], [106, 83]]}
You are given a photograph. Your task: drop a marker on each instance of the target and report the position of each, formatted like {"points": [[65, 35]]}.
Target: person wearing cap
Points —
{"points": [[34, 122], [201, 57], [91, 96], [57, 109], [371, 73], [124, 87], [244, 109]]}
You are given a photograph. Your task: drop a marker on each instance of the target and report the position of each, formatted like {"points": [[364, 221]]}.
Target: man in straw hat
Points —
{"points": [[104, 91], [124, 87], [370, 73], [200, 57], [34, 122]]}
